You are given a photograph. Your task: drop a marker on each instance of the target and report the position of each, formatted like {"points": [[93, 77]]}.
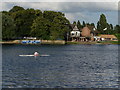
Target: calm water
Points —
{"points": [[68, 66]]}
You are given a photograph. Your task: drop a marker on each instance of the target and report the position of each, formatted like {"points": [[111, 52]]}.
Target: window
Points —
{"points": [[114, 39], [108, 38], [76, 33], [72, 34]]}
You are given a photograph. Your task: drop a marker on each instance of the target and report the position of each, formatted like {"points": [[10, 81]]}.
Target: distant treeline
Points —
{"points": [[19, 22]]}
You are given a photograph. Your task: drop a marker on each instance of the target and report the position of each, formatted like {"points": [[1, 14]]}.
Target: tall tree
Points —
{"points": [[79, 24], [84, 24], [102, 23], [111, 26], [74, 22]]}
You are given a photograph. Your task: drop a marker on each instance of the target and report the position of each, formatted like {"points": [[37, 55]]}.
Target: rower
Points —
{"points": [[36, 54]]}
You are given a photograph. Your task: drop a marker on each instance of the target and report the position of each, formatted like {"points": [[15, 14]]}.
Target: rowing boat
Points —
{"points": [[33, 55]]}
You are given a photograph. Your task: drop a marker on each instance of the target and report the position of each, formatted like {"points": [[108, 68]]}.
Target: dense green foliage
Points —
{"points": [[117, 29], [19, 22], [118, 36], [8, 27], [30, 22], [104, 28], [51, 26], [16, 8], [23, 21], [102, 23], [40, 28]]}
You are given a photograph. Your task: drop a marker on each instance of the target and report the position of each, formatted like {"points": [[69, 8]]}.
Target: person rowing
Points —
{"points": [[36, 54]]}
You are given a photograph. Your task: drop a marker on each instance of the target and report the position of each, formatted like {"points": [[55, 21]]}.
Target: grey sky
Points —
{"points": [[83, 11]]}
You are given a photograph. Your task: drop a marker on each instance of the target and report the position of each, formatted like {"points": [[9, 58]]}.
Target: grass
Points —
{"points": [[69, 42], [109, 42], [98, 42]]}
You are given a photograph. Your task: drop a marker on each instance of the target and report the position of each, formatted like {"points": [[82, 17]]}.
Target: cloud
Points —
{"points": [[89, 6], [87, 11], [60, 1], [67, 6], [75, 16]]}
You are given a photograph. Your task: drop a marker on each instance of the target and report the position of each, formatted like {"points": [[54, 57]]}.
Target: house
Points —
{"points": [[86, 34], [96, 38], [105, 37], [75, 33]]}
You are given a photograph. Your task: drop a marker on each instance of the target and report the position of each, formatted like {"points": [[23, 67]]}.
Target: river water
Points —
{"points": [[68, 66]]}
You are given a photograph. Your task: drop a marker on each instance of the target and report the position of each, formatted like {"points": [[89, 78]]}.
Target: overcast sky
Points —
{"points": [[88, 11]]}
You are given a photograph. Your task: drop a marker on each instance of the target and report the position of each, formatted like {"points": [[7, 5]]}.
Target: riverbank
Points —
{"points": [[9, 42], [97, 42], [33, 42], [61, 42]]}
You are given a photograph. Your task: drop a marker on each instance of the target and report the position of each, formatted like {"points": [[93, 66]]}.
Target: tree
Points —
{"points": [[109, 29], [79, 24], [30, 22], [74, 23], [84, 24], [59, 28], [59, 23], [53, 25], [16, 8], [102, 23], [8, 27], [117, 29], [92, 24], [40, 28], [23, 20], [50, 15], [111, 26]]}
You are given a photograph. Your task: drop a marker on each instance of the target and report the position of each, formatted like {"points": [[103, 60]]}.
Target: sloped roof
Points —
{"points": [[90, 27], [75, 28], [72, 26], [108, 36]]}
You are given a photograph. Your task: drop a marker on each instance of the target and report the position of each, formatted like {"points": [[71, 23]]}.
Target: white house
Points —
{"points": [[75, 33]]}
